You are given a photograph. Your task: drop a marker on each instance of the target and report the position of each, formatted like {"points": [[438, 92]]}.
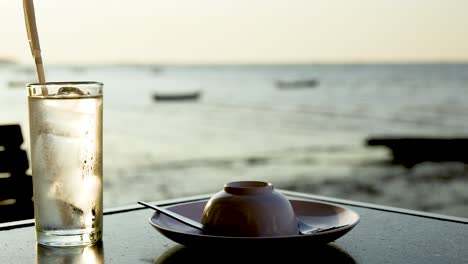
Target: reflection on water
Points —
{"points": [[93, 254], [309, 253]]}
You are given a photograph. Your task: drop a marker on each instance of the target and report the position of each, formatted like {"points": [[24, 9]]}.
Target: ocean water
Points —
{"points": [[244, 128]]}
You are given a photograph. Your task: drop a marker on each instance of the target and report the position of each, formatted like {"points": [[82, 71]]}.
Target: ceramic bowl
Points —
{"points": [[250, 209]]}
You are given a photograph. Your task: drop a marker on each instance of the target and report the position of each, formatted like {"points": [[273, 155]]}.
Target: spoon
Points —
{"points": [[176, 216], [304, 229]]}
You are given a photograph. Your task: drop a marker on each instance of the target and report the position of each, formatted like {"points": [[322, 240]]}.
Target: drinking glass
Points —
{"points": [[65, 122]]}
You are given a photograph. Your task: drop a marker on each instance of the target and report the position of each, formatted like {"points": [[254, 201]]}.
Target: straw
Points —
{"points": [[33, 37]]}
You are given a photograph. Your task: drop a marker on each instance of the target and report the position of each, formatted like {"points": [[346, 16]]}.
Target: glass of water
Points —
{"points": [[65, 122]]}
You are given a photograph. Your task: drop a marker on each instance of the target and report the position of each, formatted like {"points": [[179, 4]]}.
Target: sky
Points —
{"points": [[239, 31]]}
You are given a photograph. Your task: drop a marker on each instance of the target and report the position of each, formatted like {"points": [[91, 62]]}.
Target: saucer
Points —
{"points": [[323, 215]]}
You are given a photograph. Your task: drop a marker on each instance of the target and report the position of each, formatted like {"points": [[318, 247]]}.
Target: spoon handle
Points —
{"points": [[176, 216], [306, 229]]}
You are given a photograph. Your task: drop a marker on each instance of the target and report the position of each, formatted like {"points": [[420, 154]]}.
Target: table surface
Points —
{"points": [[383, 235]]}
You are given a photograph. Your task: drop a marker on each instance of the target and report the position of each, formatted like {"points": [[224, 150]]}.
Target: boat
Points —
{"points": [[411, 150], [288, 84], [23, 76], [19, 83], [7, 61], [177, 96]]}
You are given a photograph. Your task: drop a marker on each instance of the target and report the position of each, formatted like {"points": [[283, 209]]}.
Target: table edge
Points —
{"points": [[292, 194], [392, 209]]}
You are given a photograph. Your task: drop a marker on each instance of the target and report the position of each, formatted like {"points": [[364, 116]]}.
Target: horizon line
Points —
{"points": [[220, 63]]}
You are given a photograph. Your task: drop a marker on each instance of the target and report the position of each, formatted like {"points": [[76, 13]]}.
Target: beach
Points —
{"points": [[244, 128]]}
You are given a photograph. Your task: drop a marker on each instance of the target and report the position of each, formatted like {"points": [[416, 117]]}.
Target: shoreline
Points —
{"points": [[428, 187]]}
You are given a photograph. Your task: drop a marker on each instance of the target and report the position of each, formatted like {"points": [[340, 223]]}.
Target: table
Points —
{"points": [[384, 235]]}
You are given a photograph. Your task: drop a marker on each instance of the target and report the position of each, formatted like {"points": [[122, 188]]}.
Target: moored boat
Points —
{"points": [[288, 84], [177, 96]]}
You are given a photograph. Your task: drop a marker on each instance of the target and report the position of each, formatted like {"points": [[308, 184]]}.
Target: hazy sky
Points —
{"points": [[239, 31]]}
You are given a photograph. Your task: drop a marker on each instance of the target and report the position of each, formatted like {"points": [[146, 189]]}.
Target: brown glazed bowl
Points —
{"points": [[250, 209]]}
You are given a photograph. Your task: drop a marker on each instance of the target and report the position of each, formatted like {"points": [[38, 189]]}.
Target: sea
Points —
{"points": [[245, 127]]}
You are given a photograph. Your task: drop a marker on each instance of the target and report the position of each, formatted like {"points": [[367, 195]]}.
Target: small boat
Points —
{"points": [[7, 61], [23, 76], [177, 96], [411, 150], [156, 69], [19, 83], [288, 84]]}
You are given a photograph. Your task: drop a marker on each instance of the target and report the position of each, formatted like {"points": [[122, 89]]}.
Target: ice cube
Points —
{"points": [[70, 214], [59, 214], [70, 91]]}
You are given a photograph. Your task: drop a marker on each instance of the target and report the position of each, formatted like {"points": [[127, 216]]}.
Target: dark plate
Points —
{"points": [[319, 214]]}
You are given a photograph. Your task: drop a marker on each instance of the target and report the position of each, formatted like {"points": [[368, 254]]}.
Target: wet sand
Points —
{"points": [[429, 187]]}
